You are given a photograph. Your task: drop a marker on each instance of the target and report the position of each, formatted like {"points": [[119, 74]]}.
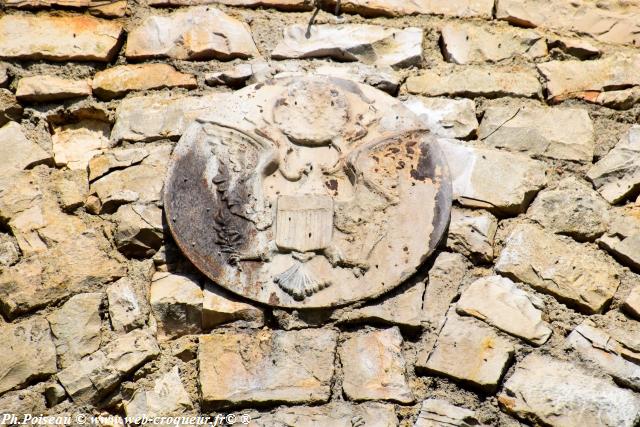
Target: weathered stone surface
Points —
{"points": [[29, 353], [119, 80], [572, 208], [97, 374], [475, 80], [374, 367], [631, 304], [586, 80], [445, 278], [334, 414], [577, 275], [102, 164], [439, 412], [470, 43], [498, 301], [28, 401], [72, 188], [10, 110], [369, 44], [17, 152], [614, 356], [472, 233], [140, 183], [125, 309], [266, 366], [59, 38], [167, 397], [9, 252], [609, 21], [47, 88], [558, 133], [276, 4], [579, 48], [461, 9], [384, 78], [545, 390], [4, 76], [147, 118], [469, 351], [193, 34], [496, 180], [619, 99], [220, 307], [617, 175], [138, 230], [403, 309], [450, 118], [622, 239], [176, 304], [75, 144], [234, 77], [112, 8], [76, 327]]}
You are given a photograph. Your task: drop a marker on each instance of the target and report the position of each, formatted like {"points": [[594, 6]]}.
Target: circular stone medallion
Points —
{"points": [[307, 192]]}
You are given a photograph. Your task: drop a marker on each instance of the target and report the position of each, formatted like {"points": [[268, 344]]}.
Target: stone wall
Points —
{"points": [[527, 315]]}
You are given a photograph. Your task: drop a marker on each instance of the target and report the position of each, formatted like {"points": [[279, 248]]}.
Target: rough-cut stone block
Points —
{"points": [[445, 278], [266, 366], [472, 233], [335, 414], [374, 367], [557, 393], [146, 118], [125, 310], [613, 355], [403, 309], [10, 109], [631, 304], [167, 397], [577, 275], [496, 180], [111, 8], [138, 230], [47, 88], [619, 99], [220, 307], [72, 188], [498, 301], [610, 21], [622, 239], [617, 175], [17, 152], [439, 413], [450, 118], [75, 144], [469, 351], [197, 33], [176, 304], [586, 79], [76, 327], [384, 78], [289, 5], [29, 353], [59, 38], [369, 44], [117, 81], [473, 81], [460, 8], [572, 208], [558, 133], [470, 43], [102, 164], [96, 375]]}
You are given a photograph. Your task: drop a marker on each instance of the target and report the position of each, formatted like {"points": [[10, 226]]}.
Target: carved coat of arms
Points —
{"points": [[307, 192]]}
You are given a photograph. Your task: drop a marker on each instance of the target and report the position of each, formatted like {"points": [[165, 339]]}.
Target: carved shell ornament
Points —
{"points": [[307, 192]]}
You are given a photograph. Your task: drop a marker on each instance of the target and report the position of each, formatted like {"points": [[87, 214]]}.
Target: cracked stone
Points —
{"points": [[622, 239], [138, 230], [577, 275], [334, 414], [374, 367], [125, 310], [75, 144], [445, 277], [220, 307], [558, 393], [167, 397], [500, 303], [370, 44], [10, 109], [242, 367], [472, 233], [439, 412], [176, 304], [104, 163], [17, 152], [558, 133], [449, 118]]}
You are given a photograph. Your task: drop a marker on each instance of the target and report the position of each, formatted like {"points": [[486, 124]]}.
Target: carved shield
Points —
{"points": [[307, 192]]}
